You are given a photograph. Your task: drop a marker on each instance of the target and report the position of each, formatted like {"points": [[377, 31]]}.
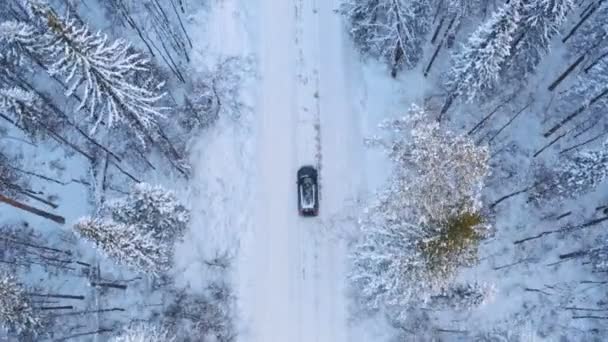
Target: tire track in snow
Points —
{"points": [[308, 153], [296, 277]]}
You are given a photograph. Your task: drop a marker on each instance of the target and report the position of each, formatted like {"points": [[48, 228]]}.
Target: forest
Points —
{"points": [[496, 199], [98, 97], [124, 125]]}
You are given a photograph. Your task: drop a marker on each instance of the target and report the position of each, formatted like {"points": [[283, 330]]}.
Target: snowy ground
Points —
{"points": [[222, 157], [314, 101], [293, 282], [312, 108]]}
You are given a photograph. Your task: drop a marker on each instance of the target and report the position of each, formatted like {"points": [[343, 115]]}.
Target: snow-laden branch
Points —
{"points": [[16, 311], [392, 30]]}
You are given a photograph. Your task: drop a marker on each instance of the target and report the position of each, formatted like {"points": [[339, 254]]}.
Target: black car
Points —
{"points": [[308, 191]]}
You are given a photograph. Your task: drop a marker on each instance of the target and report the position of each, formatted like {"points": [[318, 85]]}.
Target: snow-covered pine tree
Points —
{"points": [[476, 67], [103, 71], [589, 93], [143, 333], [388, 269], [392, 30], [540, 23], [202, 317], [20, 41], [572, 176], [463, 8], [15, 39], [592, 38], [591, 87], [448, 168], [16, 311], [152, 209], [599, 258], [25, 108], [202, 107], [426, 223], [127, 244], [463, 296], [10, 179]]}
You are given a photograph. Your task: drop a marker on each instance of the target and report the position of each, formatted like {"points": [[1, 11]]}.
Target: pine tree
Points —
{"points": [[463, 8], [18, 40], [139, 230], [127, 244], [426, 223], [591, 39], [574, 175], [590, 87], [16, 311], [200, 317], [152, 209], [463, 296], [589, 92], [476, 67], [103, 71], [25, 107], [10, 179], [445, 170], [540, 23], [391, 30], [599, 258]]}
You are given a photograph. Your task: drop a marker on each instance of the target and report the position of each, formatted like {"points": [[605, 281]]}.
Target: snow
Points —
{"points": [[221, 156], [315, 103], [292, 282], [314, 99]]}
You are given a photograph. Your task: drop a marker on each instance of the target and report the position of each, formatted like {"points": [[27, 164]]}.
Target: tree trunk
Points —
{"points": [[576, 112], [573, 254], [29, 194], [586, 9], [181, 24], [64, 307], [448, 103], [595, 62], [86, 312], [396, 61], [27, 244], [510, 121], [581, 22], [436, 33], [54, 296], [588, 141], [112, 285], [551, 143], [30, 209], [480, 124], [566, 73], [428, 67], [100, 331], [37, 175], [515, 193]]}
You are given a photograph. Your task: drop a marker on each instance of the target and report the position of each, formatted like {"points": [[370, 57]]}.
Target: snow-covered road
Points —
{"points": [[292, 286]]}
